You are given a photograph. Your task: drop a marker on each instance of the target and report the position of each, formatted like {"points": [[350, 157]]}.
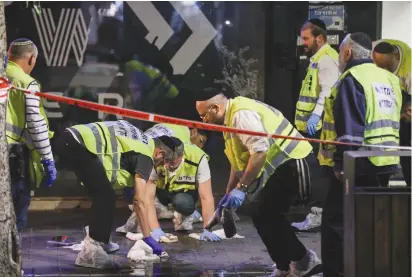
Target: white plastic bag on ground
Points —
{"points": [[142, 252]]}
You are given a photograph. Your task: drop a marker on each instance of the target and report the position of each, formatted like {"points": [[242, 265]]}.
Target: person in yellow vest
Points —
{"points": [[27, 130], [321, 75], [194, 136], [364, 108], [395, 56], [267, 170], [182, 184], [107, 156]]}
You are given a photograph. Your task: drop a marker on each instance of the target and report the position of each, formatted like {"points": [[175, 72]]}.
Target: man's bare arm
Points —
{"points": [[140, 205], [233, 180], [207, 200], [150, 196], [254, 165]]}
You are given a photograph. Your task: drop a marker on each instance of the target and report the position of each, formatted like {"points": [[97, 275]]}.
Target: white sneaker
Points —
{"points": [[162, 211], [129, 226], [307, 264], [92, 255], [311, 221]]}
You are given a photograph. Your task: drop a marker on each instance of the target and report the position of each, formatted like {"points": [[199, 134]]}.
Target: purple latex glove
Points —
{"points": [[157, 249]]}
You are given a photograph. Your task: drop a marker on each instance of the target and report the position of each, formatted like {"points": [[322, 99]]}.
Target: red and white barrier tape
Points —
{"points": [[178, 121]]}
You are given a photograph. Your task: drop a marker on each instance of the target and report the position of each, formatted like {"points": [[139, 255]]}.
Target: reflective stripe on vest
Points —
{"points": [[21, 133], [99, 151], [310, 89], [326, 151]]}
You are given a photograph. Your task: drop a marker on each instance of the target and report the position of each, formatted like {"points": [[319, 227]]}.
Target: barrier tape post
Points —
{"points": [[188, 123]]}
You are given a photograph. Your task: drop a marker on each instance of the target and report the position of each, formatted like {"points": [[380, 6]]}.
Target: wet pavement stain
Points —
{"points": [[188, 258]]}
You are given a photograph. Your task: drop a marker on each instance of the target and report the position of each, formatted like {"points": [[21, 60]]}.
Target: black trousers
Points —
{"points": [[268, 215], [90, 171], [332, 221], [19, 162], [319, 180]]}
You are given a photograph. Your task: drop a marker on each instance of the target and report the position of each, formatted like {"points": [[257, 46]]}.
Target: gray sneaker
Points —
{"points": [[309, 264]]}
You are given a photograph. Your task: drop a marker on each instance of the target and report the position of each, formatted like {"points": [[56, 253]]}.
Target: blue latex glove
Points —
{"points": [[312, 123], [157, 249], [235, 199], [51, 172], [209, 236], [157, 233], [221, 202]]}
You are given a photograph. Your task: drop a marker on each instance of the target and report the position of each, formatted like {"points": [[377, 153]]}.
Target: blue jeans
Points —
{"points": [[20, 192]]}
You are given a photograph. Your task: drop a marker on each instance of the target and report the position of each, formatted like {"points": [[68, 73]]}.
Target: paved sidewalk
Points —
{"points": [[189, 257]]}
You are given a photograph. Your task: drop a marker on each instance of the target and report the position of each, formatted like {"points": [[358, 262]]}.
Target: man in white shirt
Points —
{"points": [[272, 167], [322, 74]]}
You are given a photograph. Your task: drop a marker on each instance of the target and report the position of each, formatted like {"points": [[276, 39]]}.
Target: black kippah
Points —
{"points": [[362, 39], [384, 48], [318, 22], [210, 92], [171, 142]]}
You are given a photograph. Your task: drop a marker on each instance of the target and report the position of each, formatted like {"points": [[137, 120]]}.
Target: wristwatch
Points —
{"points": [[242, 187]]}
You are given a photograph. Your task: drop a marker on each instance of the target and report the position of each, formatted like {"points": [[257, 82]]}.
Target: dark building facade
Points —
{"points": [[248, 48]]}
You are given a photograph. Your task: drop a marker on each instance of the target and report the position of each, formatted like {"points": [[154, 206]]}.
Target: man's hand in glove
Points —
{"points": [[234, 200], [51, 172], [220, 205], [312, 123], [157, 249], [209, 236], [157, 233]]}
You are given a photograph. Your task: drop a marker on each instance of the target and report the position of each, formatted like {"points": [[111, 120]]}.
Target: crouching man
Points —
{"points": [[106, 156], [181, 183], [198, 139]]}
